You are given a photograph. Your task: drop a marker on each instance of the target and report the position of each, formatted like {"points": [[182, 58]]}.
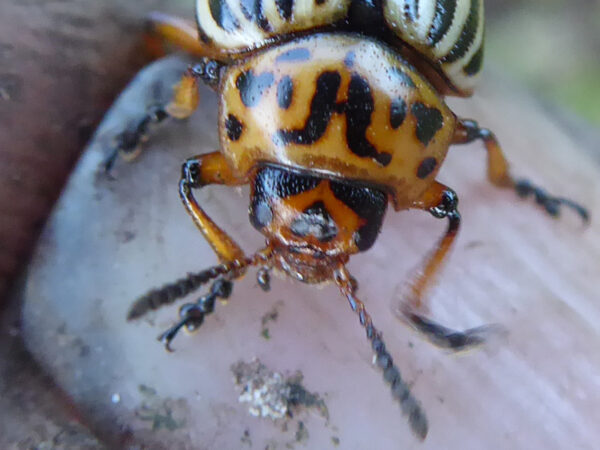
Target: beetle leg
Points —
{"points": [[441, 202], [198, 172], [499, 173], [184, 103], [164, 29], [400, 390]]}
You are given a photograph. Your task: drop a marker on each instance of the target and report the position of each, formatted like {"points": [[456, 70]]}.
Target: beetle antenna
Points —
{"points": [[171, 292], [400, 390]]}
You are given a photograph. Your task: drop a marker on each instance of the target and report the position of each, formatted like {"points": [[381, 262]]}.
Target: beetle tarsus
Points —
{"points": [[550, 203], [192, 314]]}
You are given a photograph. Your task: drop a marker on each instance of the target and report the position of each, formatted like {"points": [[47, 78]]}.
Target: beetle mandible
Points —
{"points": [[329, 110]]}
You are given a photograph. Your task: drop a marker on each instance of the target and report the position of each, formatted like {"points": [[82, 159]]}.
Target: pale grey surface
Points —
{"points": [[109, 241]]}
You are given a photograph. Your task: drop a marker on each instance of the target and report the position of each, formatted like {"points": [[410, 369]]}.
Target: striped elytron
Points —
{"points": [[329, 110]]}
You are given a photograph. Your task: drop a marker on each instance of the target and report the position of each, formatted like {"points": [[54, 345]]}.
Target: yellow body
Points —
{"points": [[331, 153]]}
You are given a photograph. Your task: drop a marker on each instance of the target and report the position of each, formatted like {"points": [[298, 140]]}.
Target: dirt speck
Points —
{"points": [[161, 412], [269, 316], [271, 394]]}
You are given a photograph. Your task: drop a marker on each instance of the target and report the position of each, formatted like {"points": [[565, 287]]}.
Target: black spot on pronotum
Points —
{"points": [[349, 59], [285, 92], [368, 203], [261, 213], [297, 54], [233, 127], [285, 8], [359, 108], [426, 167], [222, 15], [429, 122], [401, 77], [397, 112], [252, 86], [322, 107], [315, 221], [278, 182]]}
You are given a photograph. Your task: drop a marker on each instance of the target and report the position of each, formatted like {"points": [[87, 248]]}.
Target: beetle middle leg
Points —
{"points": [[499, 174], [441, 202]]}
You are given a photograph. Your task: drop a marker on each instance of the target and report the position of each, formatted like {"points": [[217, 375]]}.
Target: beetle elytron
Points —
{"points": [[329, 110]]}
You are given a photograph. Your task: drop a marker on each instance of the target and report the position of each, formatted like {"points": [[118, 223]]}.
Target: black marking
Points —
{"points": [[401, 77], [349, 59], [368, 203], [426, 167], [285, 92], [321, 108], [285, 8], [359, 108], [233, 127], [252, 87], [222, 15], [411, 10], [367, 16], [475, 64], [442, 20], [298, 54], [319, 2], [397, 112], [316, 221], [277, 182], [429, 122], [252, 10], [467, 35]]}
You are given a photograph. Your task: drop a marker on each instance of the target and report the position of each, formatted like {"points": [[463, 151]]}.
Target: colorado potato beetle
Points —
{"points": [[329, 110]]}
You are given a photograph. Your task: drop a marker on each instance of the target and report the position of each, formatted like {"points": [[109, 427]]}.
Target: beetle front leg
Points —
{"points": [[499, 174], [441, 202], [198, 172]]}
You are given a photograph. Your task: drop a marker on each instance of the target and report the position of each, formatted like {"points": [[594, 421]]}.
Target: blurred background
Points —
{"points": [[62, 63]]}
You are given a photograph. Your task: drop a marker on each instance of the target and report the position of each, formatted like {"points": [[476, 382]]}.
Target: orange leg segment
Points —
{"points": [[163, 30], [499, 174], [441, 202], [197, 172]]}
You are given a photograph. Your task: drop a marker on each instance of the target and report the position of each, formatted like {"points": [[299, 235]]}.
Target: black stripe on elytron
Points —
{"points": [[474, 66], [397, 112], [285, 8], [467, 35], [316, 221], [223, 16], [442, 20], [321, 108], [426, 167], [285, 92], [429, 121], [252, 10], [401, 77], [359, 108], [252, 87], [368, 203], [233, 127], [297, 54], [411, 10]]}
